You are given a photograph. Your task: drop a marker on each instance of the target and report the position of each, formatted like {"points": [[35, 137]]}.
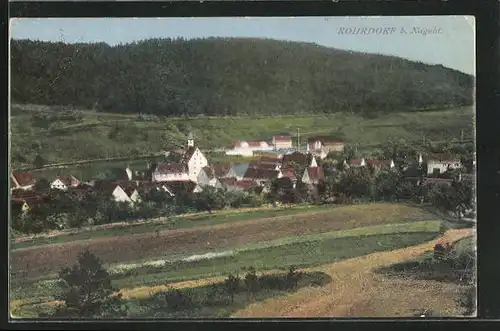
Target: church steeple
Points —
{"points": [[190, 140]]}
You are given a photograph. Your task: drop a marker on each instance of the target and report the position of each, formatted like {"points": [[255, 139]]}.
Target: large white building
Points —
{"points": [[247, 148]]}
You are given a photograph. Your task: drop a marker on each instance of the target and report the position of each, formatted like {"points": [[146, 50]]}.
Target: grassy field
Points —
{"points": [[90, 134], [37, 261], [298, 251], [174, 222]]}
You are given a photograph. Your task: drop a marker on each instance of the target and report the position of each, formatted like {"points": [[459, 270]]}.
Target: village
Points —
{"points": [[187, 171]]}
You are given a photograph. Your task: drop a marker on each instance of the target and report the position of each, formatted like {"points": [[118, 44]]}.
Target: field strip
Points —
{"points": [[353, 282], [164, 220], [419, 226], [181, 230], [342, 272]]}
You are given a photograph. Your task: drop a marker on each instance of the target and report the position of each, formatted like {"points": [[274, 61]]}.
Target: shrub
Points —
{"points": [[292, 278], [232, 285], [216, 296], [467, 300], [441, 251], [251, 281], [177, 299]]}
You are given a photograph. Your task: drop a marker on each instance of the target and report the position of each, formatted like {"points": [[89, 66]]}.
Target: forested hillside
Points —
{"points": [[228, 77]]}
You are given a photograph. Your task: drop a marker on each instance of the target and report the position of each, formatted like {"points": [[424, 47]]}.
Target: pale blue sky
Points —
{"points": [[454, 47]]}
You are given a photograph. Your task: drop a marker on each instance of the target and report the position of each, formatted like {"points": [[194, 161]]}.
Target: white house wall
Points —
{"points": [[197, 162], [159, 177], [58, 185]]}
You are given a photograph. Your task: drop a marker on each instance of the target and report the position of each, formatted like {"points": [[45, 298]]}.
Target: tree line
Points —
{"points": [[228, 76]]}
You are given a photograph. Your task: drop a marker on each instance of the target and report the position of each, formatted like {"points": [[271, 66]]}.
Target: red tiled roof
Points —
{"points": [[24, 178], [355, 161], [259, 173], [289, 173], [282, 138], [378, 163], [165, 168], [315, 173], [228, 181], [68, 180]]}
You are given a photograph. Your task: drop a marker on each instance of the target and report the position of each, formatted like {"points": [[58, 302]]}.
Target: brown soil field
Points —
{"points": [[358, 291], [37, 261]]}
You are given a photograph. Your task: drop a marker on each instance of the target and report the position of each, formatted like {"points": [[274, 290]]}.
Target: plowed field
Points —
{"points": [[47, 259]]}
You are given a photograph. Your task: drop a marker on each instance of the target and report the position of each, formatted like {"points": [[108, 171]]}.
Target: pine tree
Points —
{"points": [[87, 291]]}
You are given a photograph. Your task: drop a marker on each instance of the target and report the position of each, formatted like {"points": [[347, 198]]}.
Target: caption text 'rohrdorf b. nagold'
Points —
{"points": [[388, 31]]}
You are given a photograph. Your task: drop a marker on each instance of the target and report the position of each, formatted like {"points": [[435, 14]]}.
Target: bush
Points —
{"points": [[467, 300], [252, 281], [441, 251], [177, 299], [232, 285]]}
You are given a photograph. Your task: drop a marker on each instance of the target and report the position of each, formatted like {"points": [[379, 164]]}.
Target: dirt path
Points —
{"points": [[48, 259], [357, 291]]}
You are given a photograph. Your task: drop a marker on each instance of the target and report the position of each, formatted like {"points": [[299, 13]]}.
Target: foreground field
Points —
{"points": [[348, 288], [45, 260], [356, 290]]}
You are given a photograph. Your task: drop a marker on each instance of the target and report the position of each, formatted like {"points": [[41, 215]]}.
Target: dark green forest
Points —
{"points": [[228, 76]]}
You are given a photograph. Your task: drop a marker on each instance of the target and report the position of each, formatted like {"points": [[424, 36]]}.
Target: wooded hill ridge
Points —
{"points": [[228, 77]]}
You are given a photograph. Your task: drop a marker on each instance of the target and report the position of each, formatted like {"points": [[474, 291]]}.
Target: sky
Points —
{"points": [[451, 42]]}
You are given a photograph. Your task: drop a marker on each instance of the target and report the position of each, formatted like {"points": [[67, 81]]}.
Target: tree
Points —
{"points": [[282, 190], [387, 185], [232, 284], [42, 185], [356, 183], [87, 291], [39, 161], [210, 199]]}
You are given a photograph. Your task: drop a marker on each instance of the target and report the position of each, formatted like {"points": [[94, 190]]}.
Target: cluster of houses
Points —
{"points": [[188, 170]]}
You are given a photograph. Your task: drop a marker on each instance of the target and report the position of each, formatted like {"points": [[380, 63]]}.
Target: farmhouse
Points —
{"points": [[183, 187], [64, 182], [380, 164], [262, 176], [222, 170], [440, 163], [238, 170], [322, 145], [313, 175], [22, 180], [247, 148], [23, 201], [282, 142], [355, 163], [262, 165], [112, 189]]}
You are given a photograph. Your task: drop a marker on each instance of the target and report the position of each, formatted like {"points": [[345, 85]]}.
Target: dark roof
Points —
{"points": [[188, 154], [259, 165], [24, 178], [443, 157], [186, 186], [221, 169], [378, 163], [240, 169], [165, 168], [437, 181], [209, 171], [297, 157], [270, 160], [246, 184], [259, 173], [315, 173]]}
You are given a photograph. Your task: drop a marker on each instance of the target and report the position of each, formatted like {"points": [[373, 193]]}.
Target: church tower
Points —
{"points": [[190, 140]]}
